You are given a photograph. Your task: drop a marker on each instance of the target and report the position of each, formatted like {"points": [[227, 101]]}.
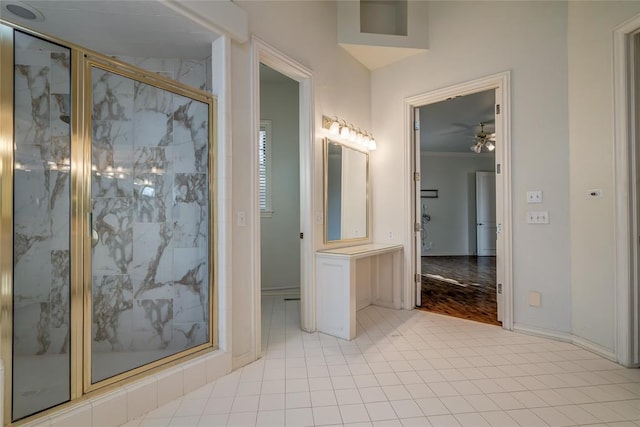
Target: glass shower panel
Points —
{"points": [[41, 245], [150, 218]]}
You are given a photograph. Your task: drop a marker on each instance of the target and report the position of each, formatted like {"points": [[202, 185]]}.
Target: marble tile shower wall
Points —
{"points": [[160, 306], [151, 210], [41, 224], [192, 72]]}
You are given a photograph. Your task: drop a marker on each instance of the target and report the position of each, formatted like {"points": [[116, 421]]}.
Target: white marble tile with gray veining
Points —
{"points": [[153, 171], [112, 96], [153, 323], [152, 265], [191, 135], [113, 223], [112, 296], [32, 105], [41, 275], [111, 158]]}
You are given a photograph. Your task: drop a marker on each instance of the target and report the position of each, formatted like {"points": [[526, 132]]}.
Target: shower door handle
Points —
{"points": [[94, 233]]}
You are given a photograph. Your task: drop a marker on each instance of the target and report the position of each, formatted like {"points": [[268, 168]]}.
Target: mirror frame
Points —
{"points": [[367, 236]]}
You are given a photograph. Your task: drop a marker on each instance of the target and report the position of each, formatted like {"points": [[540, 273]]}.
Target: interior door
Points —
{"points": [[417, 245], [486, 213]]}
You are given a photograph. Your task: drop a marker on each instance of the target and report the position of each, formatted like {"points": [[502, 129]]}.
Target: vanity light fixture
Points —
{"points": [[341, 130]]}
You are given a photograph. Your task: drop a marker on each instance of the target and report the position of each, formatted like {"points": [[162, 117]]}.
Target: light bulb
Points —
{"points": [[344, 131], [353, 135], [334, 129]]}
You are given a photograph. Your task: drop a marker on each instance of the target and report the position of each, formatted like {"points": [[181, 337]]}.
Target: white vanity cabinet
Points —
{"points": [[349, 279]]}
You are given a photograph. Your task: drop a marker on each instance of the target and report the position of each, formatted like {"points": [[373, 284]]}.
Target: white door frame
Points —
{"points": [[261, 52], [626, 216], [501, 82]]}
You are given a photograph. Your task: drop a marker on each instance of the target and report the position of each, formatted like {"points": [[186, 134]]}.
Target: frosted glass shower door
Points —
{"points": [[41, 224], [150, 200]]}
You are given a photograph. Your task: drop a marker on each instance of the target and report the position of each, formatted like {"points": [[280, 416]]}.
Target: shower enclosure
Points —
{"points": [[108, 221]]}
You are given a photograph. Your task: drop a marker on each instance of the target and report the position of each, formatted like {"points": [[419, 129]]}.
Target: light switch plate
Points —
{"points": [[534, 196], [543, 217], [538, 217]]}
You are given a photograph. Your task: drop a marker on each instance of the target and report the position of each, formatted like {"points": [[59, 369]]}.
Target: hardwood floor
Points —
{"points": [[460, 286]]}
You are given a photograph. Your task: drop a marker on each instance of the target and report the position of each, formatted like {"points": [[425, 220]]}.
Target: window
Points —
{"points": [[264, 168]]}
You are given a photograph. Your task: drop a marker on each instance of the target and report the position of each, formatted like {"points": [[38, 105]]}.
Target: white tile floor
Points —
{"points": [[409, 368]]}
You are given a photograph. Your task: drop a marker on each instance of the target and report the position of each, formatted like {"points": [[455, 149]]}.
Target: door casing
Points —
{"points": [[501, 83], [627, 215]]}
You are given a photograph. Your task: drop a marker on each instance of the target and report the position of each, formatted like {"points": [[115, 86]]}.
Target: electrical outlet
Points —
{"points": [[319, 218], [534, 196], [539, 217], [535, 299], [390, 235]]}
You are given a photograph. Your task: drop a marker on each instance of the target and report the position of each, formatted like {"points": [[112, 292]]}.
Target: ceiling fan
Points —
{"points": [[484, 140]]}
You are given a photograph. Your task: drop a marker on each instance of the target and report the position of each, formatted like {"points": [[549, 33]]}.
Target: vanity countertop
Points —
{"points": [[358, 251]]}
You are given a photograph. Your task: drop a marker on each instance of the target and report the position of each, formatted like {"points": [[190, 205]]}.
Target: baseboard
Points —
{"points": [[242, 360], [594, 348], [276, 292], [567, 337], [541, 332]]}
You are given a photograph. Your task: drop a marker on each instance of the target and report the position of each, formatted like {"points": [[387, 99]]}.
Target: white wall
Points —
{"points": [[305, 31], [560, 58], [469, 40], [452, 228], [280, 240], [590, 42]]}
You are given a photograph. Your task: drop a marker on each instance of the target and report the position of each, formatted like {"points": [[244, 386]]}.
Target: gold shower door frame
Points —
{"points": [[82, 61]]}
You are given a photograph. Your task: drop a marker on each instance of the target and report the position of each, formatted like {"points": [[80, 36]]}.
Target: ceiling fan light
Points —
{"points": [[490, 145]]}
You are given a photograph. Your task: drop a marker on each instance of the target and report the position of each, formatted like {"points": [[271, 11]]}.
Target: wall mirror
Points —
{"points": [[346, 197]]}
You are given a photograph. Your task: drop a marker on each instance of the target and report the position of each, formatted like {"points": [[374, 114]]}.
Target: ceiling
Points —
{"points": [[128, 28], [449, 126]]}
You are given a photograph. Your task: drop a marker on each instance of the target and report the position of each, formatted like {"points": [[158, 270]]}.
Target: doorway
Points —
{"points": [[457, 203], [627, 198], [279, 198], [496, 137], [266, 55]]}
